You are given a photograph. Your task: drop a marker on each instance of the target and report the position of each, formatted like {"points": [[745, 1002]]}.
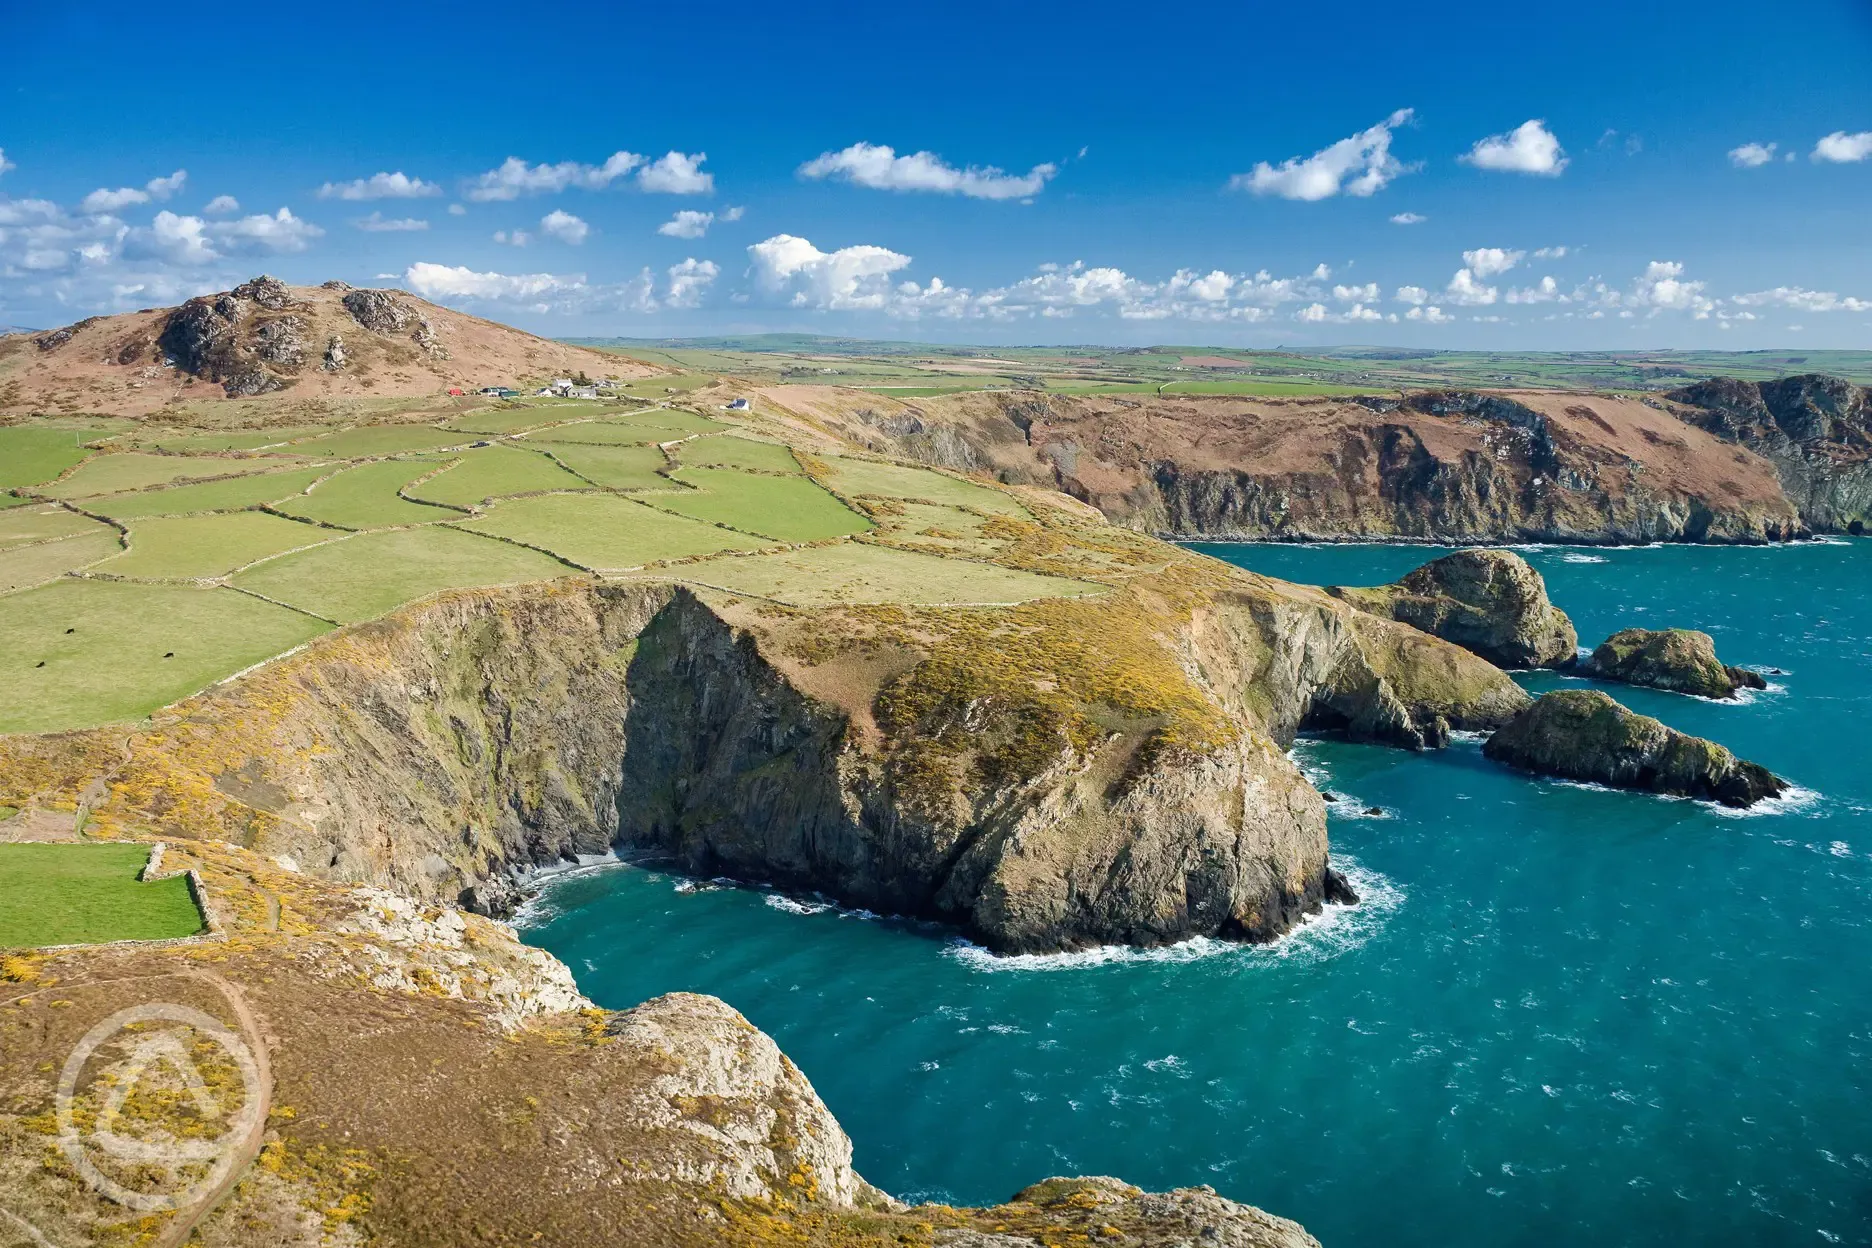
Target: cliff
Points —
{"points": [[1449, 466], [1067, 773]]}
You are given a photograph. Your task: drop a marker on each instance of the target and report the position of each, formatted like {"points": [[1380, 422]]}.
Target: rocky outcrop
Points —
{"points": [[444, 749], [221, 338], [334, 355], [1581, 734], [1489, 602], [427, 338], [1816, 430], [379, 311], [1677, 659], [59, 337]]}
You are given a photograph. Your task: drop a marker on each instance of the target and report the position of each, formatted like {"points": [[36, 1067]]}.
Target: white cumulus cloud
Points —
{"points": [[1529, 148], [515, 177], [1411, 294], [398, 185], [687, 224], [1464, 289], [1408, 218], [675, 173], [104, 200], [879, 167], [1840, 148], [689, 281], [1430, 315], [1489, 261], [1550, 253], [565, 227], [440, 281], [1802, 300], [222, 205], [849, 278], [512, 238], [5, 164], [1359, 165], [377, 223], [1752, 155], [1367, 293]]}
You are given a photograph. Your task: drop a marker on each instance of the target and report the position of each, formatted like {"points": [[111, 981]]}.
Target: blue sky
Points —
{"points": [[1598, 176]]}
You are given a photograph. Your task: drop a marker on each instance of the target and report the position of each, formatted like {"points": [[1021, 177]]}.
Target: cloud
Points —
{"points": [[687, 224], [5, 164], [565, 227], [689, 281], [849, 278], [1489, 261], [1752, 155], [880, 168], [193, 241], [281, 232], [1367, 293], [515, 177], [377, 223], [1411, 294], [458, 210], [397, 185], [1544, 291], [1431, 315], [1840, 148], [1550, 253], [1409, 218], [438, 281], [222, 205], [1529, 148], [1360, 165], [103, 200], [1660, 288], [733, 214], [676, 174], [1802, 300], [513, 238], [1464, 289], [1319, 314]]}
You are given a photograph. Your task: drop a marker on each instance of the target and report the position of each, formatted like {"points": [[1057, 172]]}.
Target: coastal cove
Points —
{"points": [[1559, 1014]]}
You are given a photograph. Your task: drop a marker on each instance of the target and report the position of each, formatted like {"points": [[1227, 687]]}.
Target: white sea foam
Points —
{"points": [[1340, 803], [787, 905], [1576, 557], [1795, 801], [1333, 931]]}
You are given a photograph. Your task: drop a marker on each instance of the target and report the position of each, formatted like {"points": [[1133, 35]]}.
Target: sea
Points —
{"points": [[1560, 1015]]}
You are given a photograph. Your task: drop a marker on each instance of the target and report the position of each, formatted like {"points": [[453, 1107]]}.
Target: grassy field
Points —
{"points": [[614, 467], [113, 474], [859, 477], [501, 421], [30, 565], [29, 456], [233, 440], [641, 430], [491, 472], [89, 652], [187, 547], [730, 451], [379, 440], [365, 497], [855, 572], [362, 577], [605, 531], [88, 894], [788, 509], [42, 524], [230, 495]]}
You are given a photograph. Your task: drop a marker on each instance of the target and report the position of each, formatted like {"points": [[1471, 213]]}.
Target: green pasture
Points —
{"points": [[113, 474], [186, 547], [84, 651], [233, 494], [615, 467], [657, 426], [788, 509], [232, 440], [12, 500], [858, 572], [372, 440], [30, 565], [82, 894], [42, 524], [857, 477], [604, 531], [358, 578], [365, 497], [30, 455], [491, 471], [731, 451], [499, 421]]}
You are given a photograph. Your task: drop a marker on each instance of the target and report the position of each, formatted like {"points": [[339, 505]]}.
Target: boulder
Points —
{"points": [[1581, 734], [1680, 660], [377, 310], [1490, 602], [334, 354]]}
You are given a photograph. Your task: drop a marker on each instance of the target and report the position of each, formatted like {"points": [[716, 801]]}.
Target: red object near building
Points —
{"points": [[456, 391]]}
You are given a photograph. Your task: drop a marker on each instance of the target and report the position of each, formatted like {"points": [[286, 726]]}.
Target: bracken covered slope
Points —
{"points": [[265, 337]]}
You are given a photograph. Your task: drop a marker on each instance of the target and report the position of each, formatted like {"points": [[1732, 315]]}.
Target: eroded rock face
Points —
{"points": [[334, 355], [265, 291], [1680, 660], [281, 342], [1186, 1216], [426, 338], [1815, 429], [1581, 734], [377, 310], [1489, 602], [221, 338]]}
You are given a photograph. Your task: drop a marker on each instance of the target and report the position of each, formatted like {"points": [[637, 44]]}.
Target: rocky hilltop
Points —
{"points": [[1449, 466], [264, 337]]}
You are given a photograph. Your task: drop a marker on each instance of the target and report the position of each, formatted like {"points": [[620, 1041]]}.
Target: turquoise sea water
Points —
{"points": [[1562, 1015]]}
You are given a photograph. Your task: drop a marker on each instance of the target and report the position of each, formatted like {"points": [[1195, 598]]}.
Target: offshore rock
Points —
{"points": [[1680, 660], [1489, 602], [1581, 734]]}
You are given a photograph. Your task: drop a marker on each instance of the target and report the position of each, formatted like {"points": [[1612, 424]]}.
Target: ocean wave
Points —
{"points": [[1795, 801], [1338, 801], [1576, 557], [1335, 930]]}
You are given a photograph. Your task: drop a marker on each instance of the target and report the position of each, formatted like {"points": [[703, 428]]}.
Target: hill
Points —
{"points": [[265, 338]]}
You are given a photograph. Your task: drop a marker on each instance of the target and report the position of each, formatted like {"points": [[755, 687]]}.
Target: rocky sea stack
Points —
{"points": [[1581, 734], [1490, 602], [1680, 660]]}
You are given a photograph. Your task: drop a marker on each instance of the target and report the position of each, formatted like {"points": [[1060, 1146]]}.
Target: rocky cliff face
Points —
{"points": [[1680, 660], [1816, 430], [1581, 734], [972, 780], [1462, 467], [1490, 602]]}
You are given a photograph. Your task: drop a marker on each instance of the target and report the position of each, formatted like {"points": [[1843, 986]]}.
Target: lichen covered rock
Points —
{"points": [[1489, 602], [1680, 660], [1581, 734], [377, 310]]}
